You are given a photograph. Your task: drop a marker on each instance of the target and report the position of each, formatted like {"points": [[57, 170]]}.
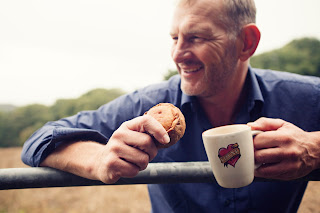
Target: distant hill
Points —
{"points": [[7, 107], [300, 56]]}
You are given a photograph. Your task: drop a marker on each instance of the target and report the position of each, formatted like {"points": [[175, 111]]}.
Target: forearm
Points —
{"points": [[75, 157]]}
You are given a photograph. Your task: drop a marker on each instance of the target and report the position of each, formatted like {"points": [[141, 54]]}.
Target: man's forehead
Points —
{"points": [[210, 9], [197, 16], [191, 27]]}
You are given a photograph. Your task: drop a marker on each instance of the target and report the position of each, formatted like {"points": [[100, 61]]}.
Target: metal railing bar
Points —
{"points": [[155, 173]]}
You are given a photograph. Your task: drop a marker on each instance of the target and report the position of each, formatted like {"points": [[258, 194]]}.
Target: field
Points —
{"points": [[128, 199]]}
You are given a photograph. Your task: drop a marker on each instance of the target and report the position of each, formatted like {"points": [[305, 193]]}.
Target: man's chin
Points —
{"points": [[190, 90]]}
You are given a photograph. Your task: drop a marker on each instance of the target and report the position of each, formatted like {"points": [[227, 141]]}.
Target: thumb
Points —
{"points": [[266, 124]]}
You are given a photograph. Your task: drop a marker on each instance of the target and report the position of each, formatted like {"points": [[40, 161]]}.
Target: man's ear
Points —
{"points": [[249, 38]]}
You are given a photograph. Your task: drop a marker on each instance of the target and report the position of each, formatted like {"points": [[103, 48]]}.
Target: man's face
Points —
{"points": [[204, 55]]}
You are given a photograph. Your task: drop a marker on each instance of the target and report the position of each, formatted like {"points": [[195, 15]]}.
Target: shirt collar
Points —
{"points": [[188, 102], [254, 94]]}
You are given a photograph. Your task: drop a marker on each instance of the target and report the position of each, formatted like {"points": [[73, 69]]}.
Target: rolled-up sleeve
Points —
{"points": [[48, 138], [97, 125]]}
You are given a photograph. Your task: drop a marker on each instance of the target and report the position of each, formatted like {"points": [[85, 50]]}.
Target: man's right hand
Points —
{"points": [[129, 150]]}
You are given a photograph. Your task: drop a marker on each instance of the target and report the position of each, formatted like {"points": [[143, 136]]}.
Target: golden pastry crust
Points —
{"points": [[171, 119]]}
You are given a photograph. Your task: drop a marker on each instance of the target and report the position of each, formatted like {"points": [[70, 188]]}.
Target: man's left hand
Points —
{"points": [[285, 151]]}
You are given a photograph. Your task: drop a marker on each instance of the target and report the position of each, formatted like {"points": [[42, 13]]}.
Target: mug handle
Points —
{"points": [[254, 133]]}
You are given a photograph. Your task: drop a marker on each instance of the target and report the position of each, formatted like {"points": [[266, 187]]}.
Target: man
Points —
{"points": [[213, 41]]}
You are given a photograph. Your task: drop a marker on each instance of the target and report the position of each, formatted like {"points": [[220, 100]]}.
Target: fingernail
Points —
{"points": [[166, 138]]}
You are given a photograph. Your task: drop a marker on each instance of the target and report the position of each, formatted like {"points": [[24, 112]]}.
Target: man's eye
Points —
{"points": [[196, 39], [174, 39]]}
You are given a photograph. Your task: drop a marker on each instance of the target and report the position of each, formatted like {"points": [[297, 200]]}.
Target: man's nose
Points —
{"points": [[180, 52]]}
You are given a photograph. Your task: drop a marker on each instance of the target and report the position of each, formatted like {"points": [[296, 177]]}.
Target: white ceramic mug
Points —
{"points": [[231, 154]]}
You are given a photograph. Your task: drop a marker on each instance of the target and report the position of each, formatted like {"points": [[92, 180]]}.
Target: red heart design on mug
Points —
{"points": [[229, 155]]}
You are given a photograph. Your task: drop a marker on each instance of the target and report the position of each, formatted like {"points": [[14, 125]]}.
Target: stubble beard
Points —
{"points": [[216, 78]]}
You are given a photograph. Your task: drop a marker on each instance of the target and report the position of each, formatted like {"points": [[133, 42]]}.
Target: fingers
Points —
{"points": [[274, 164], [278, 164], [265, 156], [276, 133], [114, 168], [131, 154], [148, 124], [268, 171], [131, 148], [281, 171], [138, 133], [121, 160], [270, 139], [135, 140], [267, 124]]}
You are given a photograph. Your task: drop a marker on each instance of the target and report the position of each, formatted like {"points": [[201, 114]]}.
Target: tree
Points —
{"points": [[6, 132], [18, 124], [13, 123], [300, 56], [89, 101], [96, 98], [169, 74]]}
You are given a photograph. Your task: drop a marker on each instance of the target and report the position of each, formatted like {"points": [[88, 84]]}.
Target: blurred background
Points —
{"points": [[60, 57], [64, 48]]}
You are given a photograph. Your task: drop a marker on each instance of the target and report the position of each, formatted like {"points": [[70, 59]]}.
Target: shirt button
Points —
{"points": [[227, 202]]}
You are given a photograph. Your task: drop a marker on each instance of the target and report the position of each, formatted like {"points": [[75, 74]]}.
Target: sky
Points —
{"points": [[64, 48]]}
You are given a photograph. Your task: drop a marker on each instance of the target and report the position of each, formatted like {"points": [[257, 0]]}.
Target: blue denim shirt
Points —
{"points": [[272, 94]]}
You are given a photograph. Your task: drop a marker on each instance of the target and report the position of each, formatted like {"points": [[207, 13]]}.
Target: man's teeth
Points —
{"points": [[192, 70]]}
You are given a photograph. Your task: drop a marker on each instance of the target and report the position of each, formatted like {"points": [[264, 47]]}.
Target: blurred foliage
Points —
{"points": [[18, 124], [300, 56], [169, 74]]}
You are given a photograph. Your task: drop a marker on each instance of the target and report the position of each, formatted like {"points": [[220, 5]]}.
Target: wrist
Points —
{"points": [[79, 158], [315, 139], [86, 159]]}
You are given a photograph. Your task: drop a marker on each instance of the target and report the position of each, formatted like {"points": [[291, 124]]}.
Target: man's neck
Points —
{"points": [[220, 112], [223, 108]]}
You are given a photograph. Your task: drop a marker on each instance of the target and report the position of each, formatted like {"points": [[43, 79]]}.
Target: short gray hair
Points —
{"points": [[237, 14]]}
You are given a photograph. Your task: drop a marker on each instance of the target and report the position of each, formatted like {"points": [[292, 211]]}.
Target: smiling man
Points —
{"points": [[210, 55], [213, 41]]}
